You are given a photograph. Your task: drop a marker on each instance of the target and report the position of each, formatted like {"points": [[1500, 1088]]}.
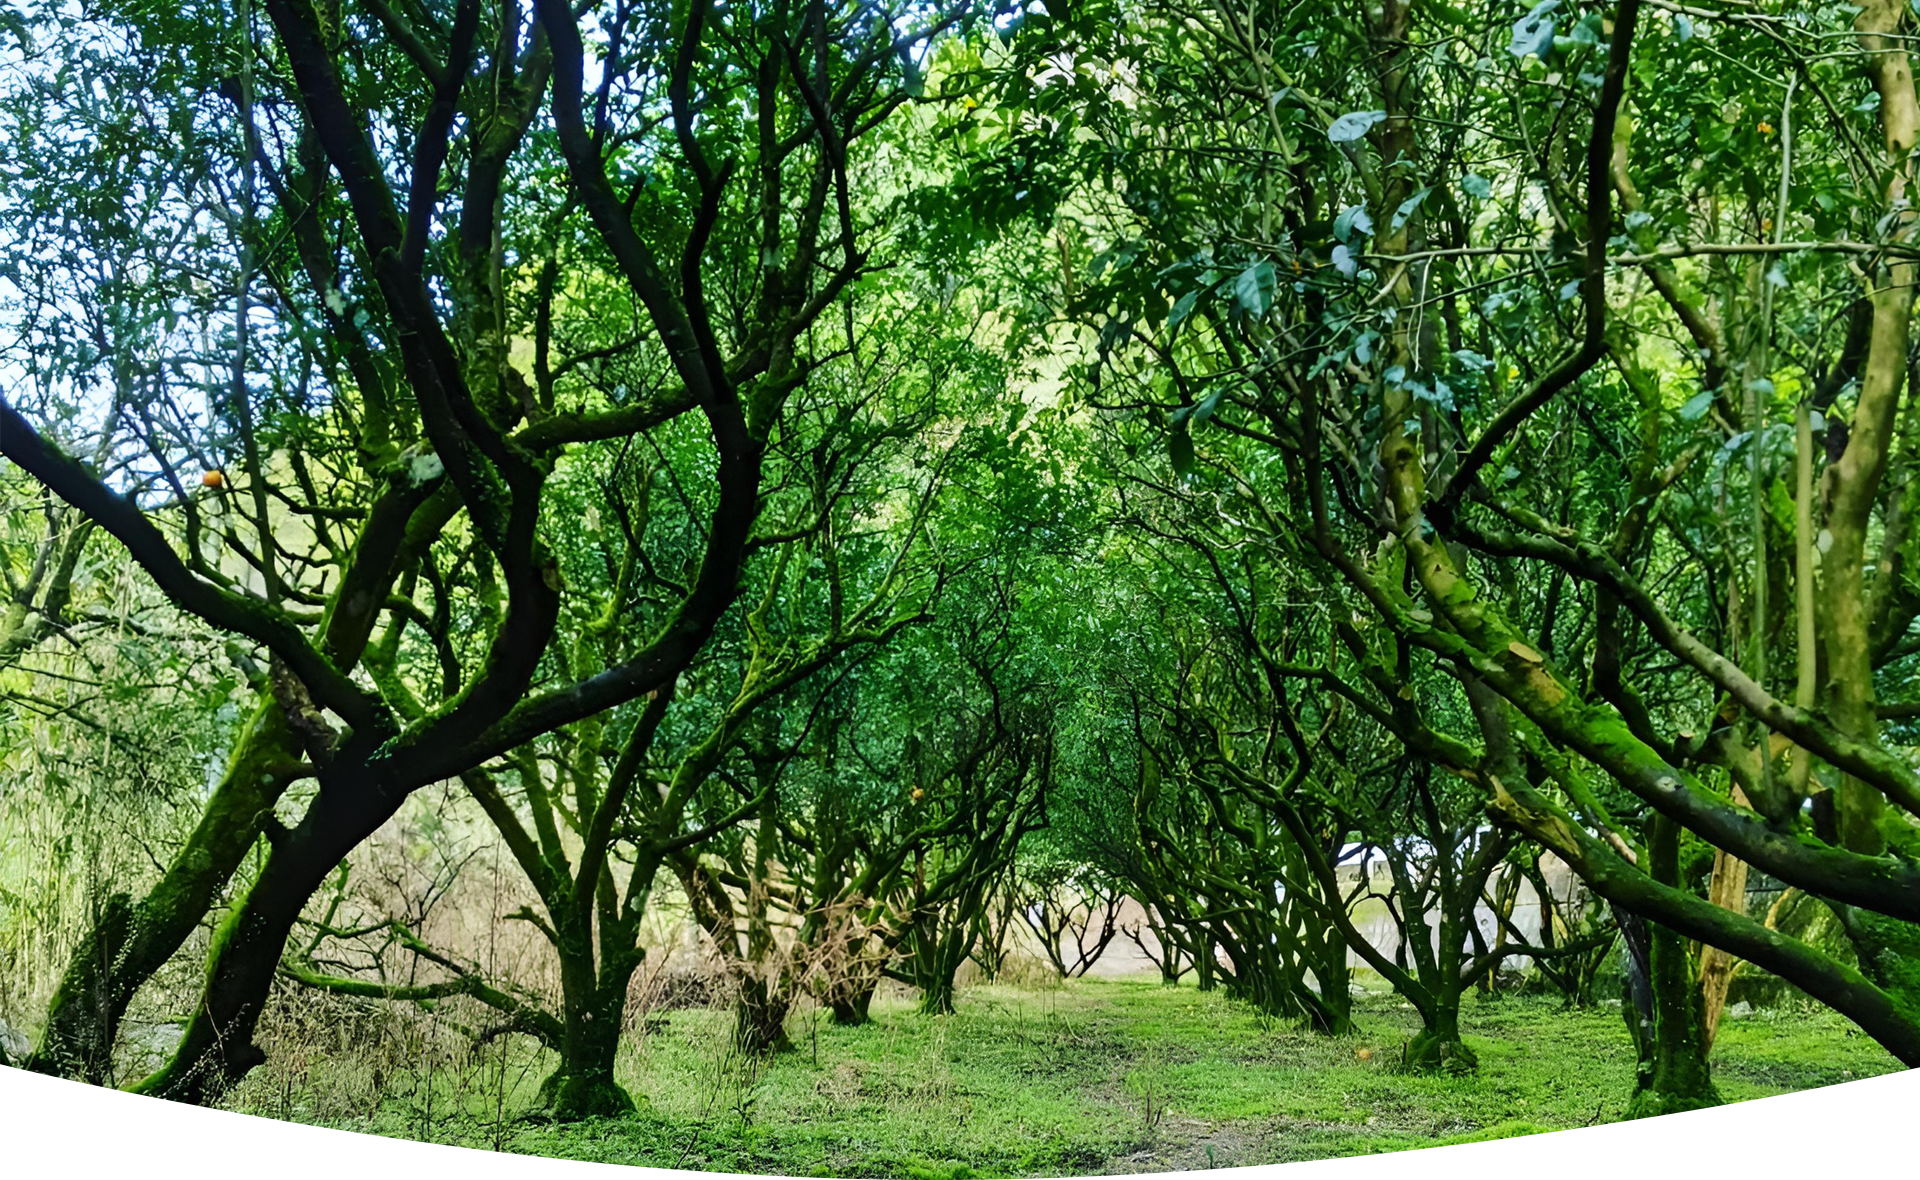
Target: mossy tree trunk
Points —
{"points": [[1331, 997], [851, 1007], [1206, 965], [1435, 899], [946, 913], [939, 938], [1437, 1047], [760, 1018], [1664, 1007], [593, 985], [593, 929], [130, 940], [1673, 1072], [936, 997], [1221, 875], [936, 948], [583, 1086]]}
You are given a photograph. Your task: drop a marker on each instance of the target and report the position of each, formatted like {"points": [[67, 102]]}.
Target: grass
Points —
{"points": [[1095, 1076]]}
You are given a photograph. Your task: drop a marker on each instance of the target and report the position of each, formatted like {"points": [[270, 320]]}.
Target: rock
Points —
{"points": [[158, 1039], [1739, 1011], [14, 1045]]}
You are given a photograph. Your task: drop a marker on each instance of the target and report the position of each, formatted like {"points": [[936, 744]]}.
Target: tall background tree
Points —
{"points": [[381, 405], [1518, 380]]}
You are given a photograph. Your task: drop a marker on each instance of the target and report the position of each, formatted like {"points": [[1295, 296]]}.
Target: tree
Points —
{"points": [[1335, 340], [991, 769], [1074, 914], [823, 591], [427, 489], [1577, 933]]}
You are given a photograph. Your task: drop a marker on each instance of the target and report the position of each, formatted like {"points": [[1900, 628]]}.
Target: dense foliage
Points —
{"points": [[885, 481]]}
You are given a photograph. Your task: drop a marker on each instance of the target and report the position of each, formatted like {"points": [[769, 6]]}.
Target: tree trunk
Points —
{"points": [[217, 1044], [1167, 956], [1437, 1047], [935, 966], [1727, 888], [850, 1006], [939, 944], [1329, 1002], [936, 996], [594, 1000], [1673, 1073], [1205, 966], [1667, 1012], [131, 941], [582, 1086], [1328, 1013], [760, 1018]]}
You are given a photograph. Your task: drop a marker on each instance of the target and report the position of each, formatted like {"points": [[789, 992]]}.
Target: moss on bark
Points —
{"points": [[851, 1008], [1437, 1047], [760, 1020], [1666, 1011], [581, 1094]]}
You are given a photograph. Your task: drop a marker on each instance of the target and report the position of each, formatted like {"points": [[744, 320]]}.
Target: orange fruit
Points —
{"points": [[213, 479]]}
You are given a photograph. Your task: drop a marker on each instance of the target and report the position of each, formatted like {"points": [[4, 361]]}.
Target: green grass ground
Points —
{"points": [[1093, 1076]]}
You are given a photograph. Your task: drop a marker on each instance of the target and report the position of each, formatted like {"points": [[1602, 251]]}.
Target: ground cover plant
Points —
{"points": [[1087, 1076]]}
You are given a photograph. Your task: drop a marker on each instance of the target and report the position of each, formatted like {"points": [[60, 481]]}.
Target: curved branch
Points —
{"points": [[1593, 286], [239, 614]]}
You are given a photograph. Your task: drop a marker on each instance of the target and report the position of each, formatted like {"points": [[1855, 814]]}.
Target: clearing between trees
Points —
{"points": [[1042, 1079]]}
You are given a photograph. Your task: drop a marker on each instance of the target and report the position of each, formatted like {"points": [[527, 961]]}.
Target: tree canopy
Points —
{"points": [[881, 473]]}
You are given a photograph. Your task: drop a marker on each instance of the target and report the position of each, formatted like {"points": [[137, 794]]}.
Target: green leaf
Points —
{"points": [[1253, 289], [1354, 124], [1697, 406], [1182, 308], [1207, 406], [1408, 206], [1533, 33], [1353, 219], [1180, 450], [1438, 393]]}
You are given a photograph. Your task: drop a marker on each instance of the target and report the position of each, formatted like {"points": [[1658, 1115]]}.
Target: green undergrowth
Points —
{"points": [[1095, 1076]]}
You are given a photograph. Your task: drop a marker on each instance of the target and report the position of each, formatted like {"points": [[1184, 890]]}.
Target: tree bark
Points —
{"points": [[760, 1018], [1437, 1046], [851, 1007], [1727, 888], [582, 1086], [594, 1003], [1668, 1012], [130, 941]]}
